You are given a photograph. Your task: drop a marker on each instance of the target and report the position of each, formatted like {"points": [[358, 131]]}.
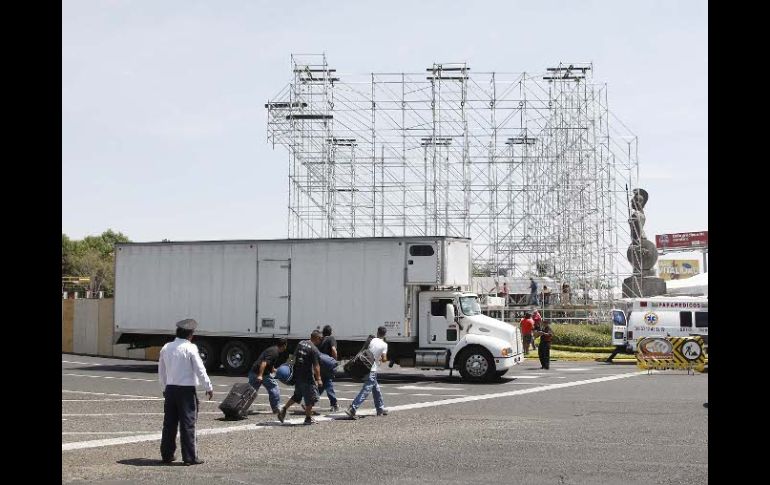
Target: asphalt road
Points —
{"points": [[577, 423]]}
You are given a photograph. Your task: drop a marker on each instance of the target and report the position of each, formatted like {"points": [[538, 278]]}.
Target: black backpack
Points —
{"points": [[361, 365]]}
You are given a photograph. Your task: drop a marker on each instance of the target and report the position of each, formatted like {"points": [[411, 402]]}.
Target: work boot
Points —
{"points": [[351, 412], [282, 414], [309, 420], [334, 409], [382, 412]]}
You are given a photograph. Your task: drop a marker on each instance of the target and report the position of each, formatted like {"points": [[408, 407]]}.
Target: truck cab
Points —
{"points": [[454, 334]]}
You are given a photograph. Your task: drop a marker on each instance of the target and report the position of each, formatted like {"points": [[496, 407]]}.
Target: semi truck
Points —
{"points": [[246, 294]]}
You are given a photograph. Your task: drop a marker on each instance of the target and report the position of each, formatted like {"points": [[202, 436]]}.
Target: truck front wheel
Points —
{"points": [[236, 357], [209, 353], [477, 364]]}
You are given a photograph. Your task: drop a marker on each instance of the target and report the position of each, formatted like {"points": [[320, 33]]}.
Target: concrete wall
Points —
{"points": [[87, 328]]}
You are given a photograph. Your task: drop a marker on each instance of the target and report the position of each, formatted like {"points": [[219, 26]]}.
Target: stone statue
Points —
{"points": [[642, 253], [637, 219]]}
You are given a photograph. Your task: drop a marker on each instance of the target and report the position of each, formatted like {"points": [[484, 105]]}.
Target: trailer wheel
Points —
{"points": [[209, 352], [236, 357], [477, 364]]}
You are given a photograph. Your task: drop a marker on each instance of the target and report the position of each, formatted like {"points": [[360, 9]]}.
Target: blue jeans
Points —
{"points": [[371, 385], [273, 392], [328, 386]]}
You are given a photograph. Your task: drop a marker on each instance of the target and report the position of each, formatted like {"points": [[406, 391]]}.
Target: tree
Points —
{"points": [[93, 257]]}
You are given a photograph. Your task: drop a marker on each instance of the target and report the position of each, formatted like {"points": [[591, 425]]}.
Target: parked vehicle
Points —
{"points": [[658, 316], [244, 294]]}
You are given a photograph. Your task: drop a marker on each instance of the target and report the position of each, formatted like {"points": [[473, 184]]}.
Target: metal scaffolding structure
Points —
{"points": [[534, 168]]}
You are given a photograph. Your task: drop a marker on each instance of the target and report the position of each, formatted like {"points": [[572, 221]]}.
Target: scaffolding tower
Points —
{"points": [[534, 168]]}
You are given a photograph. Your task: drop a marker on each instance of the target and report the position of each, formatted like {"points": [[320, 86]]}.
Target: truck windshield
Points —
{"points": [[470, 305]]}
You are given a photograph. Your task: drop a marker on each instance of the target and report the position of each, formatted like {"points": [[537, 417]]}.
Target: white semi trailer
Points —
{"points": [[245, 294]]}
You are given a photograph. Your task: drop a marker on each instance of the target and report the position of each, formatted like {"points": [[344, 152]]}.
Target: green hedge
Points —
{"points": [[577, 335], [572, 348]]}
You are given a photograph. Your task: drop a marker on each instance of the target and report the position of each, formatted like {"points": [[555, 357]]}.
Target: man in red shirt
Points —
{"points": [[538, 321], [526, 324]]}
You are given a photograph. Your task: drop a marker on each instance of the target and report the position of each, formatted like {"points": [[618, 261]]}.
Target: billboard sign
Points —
{"points": [[694, 240], [678, 269]]}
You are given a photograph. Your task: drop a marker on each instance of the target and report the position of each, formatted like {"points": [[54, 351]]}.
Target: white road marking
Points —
{"points": [[74, 362], [96, 415], [128, 399], [113, 400], [79, 445], [429, 388], [512, 393], [271, 425], [575, 368], [132, 379], [112, 377], [101, 432], [108, 394]]}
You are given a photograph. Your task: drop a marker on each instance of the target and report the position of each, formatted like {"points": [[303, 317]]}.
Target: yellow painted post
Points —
{"points": [[67, 324], [152, 353]]}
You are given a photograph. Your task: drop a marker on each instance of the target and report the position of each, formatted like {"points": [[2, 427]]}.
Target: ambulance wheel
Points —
{"points": [[477, 364]]}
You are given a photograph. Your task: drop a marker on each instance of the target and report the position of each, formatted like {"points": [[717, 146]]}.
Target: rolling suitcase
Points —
{"points": [[238, 401]]}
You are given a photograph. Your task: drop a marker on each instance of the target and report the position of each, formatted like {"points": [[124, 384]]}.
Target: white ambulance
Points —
{"points": [[658, 316]]}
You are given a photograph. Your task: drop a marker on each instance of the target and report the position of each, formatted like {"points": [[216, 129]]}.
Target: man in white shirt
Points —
{"points": [[379, 349], [180, 370]]}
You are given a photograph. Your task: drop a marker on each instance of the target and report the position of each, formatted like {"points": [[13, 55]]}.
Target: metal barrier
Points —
{"points": [[554, 314], [663, 353]]}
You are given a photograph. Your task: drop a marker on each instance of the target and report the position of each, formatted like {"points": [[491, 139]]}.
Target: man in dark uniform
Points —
{"points": [[267, 362], [180, 370], [544, 349], [329, 347], [307, 374]]}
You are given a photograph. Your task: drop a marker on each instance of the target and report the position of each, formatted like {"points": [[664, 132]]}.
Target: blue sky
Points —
{"points": [[163, 118]]}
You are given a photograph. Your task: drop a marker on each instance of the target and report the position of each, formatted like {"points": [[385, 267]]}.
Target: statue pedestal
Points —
{"points": [[636, 286]]}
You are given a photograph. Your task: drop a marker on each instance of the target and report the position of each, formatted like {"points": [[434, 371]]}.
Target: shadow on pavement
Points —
{"points": [[149, 368], [148, 462]]}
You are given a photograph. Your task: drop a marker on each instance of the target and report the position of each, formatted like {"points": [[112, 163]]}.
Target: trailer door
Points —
{"points": [[273, 296], [422, 263]]}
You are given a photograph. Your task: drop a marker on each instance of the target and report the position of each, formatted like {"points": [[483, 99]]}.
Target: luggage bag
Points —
{"points": [[361, 365], [238, 401]]}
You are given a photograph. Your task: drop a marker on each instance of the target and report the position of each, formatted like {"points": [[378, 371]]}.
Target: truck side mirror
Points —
{"points": [[450, 312]]}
